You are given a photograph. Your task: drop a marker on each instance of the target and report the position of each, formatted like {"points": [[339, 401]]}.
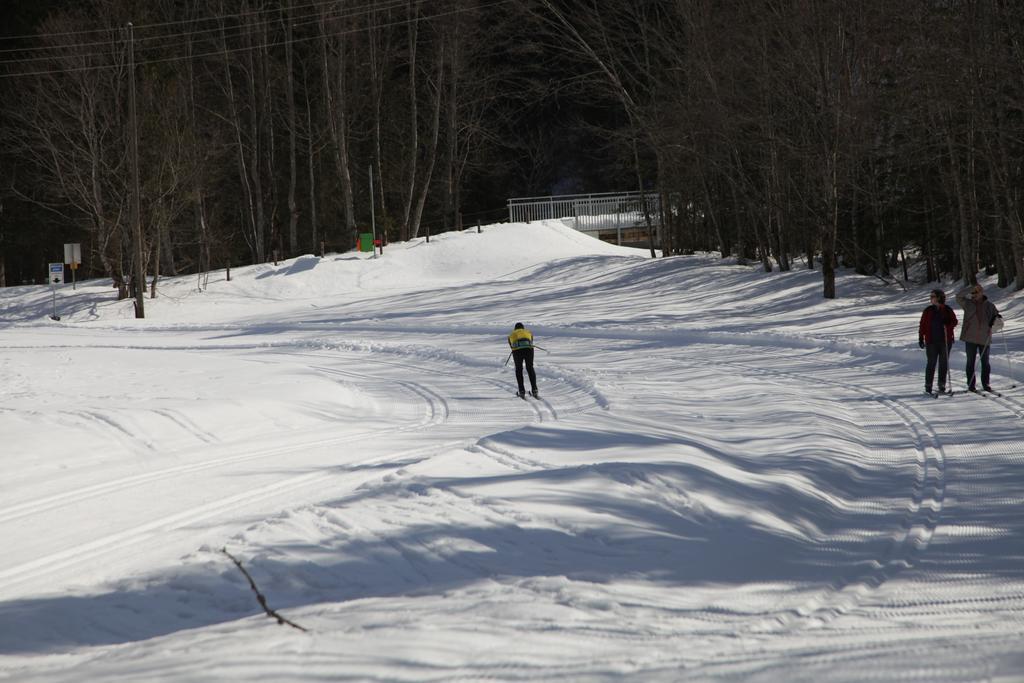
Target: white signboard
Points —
{"points": [[73, 254], [56, 273]]}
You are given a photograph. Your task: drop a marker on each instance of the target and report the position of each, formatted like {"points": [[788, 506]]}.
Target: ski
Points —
{"points": [[984, 394], [936, 394]]}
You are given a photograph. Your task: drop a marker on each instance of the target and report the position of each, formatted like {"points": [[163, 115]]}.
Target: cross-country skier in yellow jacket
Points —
{"points": [[521, 343]]}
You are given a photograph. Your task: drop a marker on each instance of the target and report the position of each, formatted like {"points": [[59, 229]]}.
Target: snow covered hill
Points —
{"points": [[726, 477]]}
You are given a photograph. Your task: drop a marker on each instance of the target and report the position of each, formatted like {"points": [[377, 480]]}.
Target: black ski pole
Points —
{"points": [[949, 370], [1009, 361], [973, 379]]}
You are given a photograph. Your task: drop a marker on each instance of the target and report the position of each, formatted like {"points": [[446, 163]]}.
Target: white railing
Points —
{"points": [[592, 213]]}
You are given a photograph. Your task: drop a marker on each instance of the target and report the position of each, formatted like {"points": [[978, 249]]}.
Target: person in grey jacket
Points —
{"points": [[976, 332]]}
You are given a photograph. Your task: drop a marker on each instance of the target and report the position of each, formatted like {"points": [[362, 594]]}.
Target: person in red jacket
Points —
{"points": [[935, 335]]}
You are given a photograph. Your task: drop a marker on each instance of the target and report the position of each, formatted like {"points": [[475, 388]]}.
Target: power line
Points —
{"points": [[169, 23], [335, 11], [265, 45]]}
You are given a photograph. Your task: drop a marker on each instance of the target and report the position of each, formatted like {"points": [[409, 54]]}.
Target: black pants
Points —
{"points": [[986, 369], [521, 356], [937, 353]]}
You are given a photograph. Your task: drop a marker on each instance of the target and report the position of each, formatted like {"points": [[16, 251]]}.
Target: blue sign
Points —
{"points": [[56, 273]]}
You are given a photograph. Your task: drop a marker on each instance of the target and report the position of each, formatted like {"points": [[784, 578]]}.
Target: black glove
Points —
{"points": [[949, 349], [920, 342]]}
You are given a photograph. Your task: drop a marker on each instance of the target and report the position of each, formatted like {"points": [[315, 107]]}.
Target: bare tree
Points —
{"points": [[335, 66], [70, 130], [292, 126]]}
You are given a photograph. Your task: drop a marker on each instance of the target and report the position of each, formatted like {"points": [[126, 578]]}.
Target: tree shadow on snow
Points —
{"points": [[727, 523]]}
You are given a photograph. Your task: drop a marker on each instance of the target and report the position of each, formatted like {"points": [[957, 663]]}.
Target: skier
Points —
{"points": [[935, 335], [521, 343], [980, 315]]}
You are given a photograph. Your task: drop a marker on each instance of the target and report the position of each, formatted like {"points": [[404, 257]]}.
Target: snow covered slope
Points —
{"points": [[726, 477]]}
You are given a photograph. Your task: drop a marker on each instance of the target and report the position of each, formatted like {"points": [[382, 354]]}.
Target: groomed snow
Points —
{"points": [[727, 477]]}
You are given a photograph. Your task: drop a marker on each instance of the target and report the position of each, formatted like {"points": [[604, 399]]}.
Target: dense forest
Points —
{"points": [[179, 136]]}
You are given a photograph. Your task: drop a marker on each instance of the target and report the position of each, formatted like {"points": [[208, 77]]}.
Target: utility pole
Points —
{"points": [[140, 268], [373, 217]]}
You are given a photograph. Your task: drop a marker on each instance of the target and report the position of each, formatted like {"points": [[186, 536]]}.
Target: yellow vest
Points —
{"points": [[520, 339]]}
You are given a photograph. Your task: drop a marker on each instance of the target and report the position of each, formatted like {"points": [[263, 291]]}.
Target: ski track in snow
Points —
{"points": [[924, 506], [925, 502], [38, 572], [47, 569], [842, 595], [612, 530], [923, 511]]}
